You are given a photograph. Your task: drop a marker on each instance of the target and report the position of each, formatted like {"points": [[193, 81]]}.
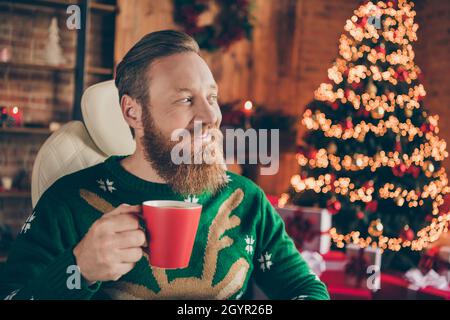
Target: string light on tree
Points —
{"points": [[374, 150]]}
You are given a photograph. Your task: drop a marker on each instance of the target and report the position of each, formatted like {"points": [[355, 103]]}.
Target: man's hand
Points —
{"points": [[112, 246]]}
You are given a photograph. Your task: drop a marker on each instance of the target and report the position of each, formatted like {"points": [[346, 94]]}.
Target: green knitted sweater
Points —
{"points": [[240, 239]]}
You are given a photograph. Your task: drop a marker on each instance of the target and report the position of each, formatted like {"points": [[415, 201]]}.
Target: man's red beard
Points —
{"points": [[185, 179]]}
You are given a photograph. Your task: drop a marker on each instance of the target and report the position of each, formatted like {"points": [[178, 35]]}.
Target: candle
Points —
{"points": [[248, 106], [17, 115], [248, 109]]}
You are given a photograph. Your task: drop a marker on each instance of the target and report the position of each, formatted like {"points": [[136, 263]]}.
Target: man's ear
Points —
{"points": [[131, 111]]}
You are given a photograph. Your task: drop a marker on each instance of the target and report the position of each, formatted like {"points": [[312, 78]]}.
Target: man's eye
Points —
{"points": [[186, 100]]}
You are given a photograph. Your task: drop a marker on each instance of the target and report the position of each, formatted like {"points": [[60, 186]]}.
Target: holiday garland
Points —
{"points": [[232, 23]]}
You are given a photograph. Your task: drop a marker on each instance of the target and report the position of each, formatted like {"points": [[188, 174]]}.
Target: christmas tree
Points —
{"points": [[371, 153], [53, 51]]}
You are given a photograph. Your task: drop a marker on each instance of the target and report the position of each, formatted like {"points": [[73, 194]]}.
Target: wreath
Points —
{"points": [[232, 22]]}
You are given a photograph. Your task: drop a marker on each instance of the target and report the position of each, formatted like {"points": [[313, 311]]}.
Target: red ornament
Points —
{"points": [[362, 112], [335, 105], [401, 74], [347, 93], [362, 22], [399, 170], [414, 171], [407, 234], [348, 124], [334, 206], [312, 154], [380, 50], [392, 3], [372, 206], [368, 184], [360, 215], [427, 127], [398, 146], [356, 85]]}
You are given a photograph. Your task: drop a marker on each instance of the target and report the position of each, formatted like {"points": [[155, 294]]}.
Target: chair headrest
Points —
{"points": [[104, 121], [67, 150]]}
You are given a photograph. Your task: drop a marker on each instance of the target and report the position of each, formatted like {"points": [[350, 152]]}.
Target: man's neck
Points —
{"points": [[137, 165]]}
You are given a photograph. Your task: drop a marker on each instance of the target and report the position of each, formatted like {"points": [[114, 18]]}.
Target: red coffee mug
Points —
{"points": [[171, 229]]}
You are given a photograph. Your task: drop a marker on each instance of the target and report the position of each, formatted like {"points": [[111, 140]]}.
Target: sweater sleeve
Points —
{"points": [[41, 264], [280, 270]]}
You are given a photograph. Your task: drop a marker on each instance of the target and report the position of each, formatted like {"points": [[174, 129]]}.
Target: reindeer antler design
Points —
{"points": [[189, 287]]}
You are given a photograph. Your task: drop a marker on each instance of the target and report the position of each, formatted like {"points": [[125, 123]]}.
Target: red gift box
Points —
{"points": [[363, 267], [309, 227], [335, 260], [395, 287], [339, 290]]}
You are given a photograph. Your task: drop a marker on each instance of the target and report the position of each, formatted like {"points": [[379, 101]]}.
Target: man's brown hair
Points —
{"points": [[131, 73]]}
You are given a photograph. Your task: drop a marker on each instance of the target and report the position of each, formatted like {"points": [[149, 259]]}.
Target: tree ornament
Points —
{"points": [[381, 49], [408, 113], [407, 233], [376, 228], [368, 184], [359, 161], [360, 214], [332, 148], [371, 88], [312, 154], [398, 144], [335, 106], [399, 201], [333, 205], [372, 206], [428, 168], [378, 113], [348, 123]]}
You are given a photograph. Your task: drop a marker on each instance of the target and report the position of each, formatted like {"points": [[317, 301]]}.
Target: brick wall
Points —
{"points": [[43, 96], [433, 57]]}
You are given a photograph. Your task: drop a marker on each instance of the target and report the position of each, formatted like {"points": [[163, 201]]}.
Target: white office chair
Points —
{"points": [[76, 146]]}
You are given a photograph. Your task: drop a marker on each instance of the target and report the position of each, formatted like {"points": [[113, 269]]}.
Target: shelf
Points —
{"points": [[55, 4], [25, 130], [36, 67], [34, 5], [99, 71], [15, 195]]}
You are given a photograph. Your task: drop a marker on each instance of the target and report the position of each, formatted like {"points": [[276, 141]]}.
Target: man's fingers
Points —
{"points": [[130, 239], [123, 222], [124, 268], [130, 255], [124, 208]]}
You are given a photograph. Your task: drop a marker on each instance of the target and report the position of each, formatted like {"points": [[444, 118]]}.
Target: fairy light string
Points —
{"points": [[379, 113]]}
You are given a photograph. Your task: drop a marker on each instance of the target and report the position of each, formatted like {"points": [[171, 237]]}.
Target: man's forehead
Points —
{"points": [[183, 71]]}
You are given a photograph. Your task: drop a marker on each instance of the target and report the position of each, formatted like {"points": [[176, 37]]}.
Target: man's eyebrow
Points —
{"points": [[183, 90], [212, 86]]}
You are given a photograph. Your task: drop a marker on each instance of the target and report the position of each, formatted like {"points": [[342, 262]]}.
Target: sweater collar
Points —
{"points": [[133, 182]]}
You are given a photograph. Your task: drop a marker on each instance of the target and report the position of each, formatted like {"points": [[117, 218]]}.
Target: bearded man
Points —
{"points": [[90, 219]]}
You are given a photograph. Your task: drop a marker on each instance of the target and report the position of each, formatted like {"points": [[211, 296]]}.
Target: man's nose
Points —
{"points": [[206, 113]]}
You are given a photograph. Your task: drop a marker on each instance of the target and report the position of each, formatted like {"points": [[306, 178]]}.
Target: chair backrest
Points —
{"points": [[76, 146]]}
